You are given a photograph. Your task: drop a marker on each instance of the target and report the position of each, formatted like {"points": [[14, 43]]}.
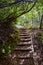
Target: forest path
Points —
{"points": [[24, 50]]}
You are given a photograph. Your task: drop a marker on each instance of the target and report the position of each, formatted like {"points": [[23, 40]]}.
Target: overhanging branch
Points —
{"points": [[2, 5], [27, 10], [10, 18]]}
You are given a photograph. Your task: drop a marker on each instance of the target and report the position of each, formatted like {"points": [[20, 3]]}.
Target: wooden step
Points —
{"points": [[24, 53], [27, 36], [23, 49], [23, 35], [23, 30], [25, 57], [25, 43], [23, 40]]}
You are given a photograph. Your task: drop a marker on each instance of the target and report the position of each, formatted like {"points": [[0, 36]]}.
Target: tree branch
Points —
{"points": [[2, 5], [28, 10], [10, 18]]}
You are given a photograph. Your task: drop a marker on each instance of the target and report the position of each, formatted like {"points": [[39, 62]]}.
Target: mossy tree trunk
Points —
{"points": [[41, 24]]}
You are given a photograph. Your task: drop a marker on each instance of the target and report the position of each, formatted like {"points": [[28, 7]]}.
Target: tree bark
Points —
{"points": [[41, 21]]}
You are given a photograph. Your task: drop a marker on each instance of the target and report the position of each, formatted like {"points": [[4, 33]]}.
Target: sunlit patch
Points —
{"points": [[3, 50]]}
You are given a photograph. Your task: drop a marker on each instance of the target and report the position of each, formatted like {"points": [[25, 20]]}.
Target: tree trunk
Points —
{"points": [[41, 21], [5, 30]]}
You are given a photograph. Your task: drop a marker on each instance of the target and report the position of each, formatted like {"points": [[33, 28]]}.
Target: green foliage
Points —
{"points": [[14, 10]]}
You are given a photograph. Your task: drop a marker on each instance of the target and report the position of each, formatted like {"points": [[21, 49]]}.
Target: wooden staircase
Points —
{"points": [[24, 50]]}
